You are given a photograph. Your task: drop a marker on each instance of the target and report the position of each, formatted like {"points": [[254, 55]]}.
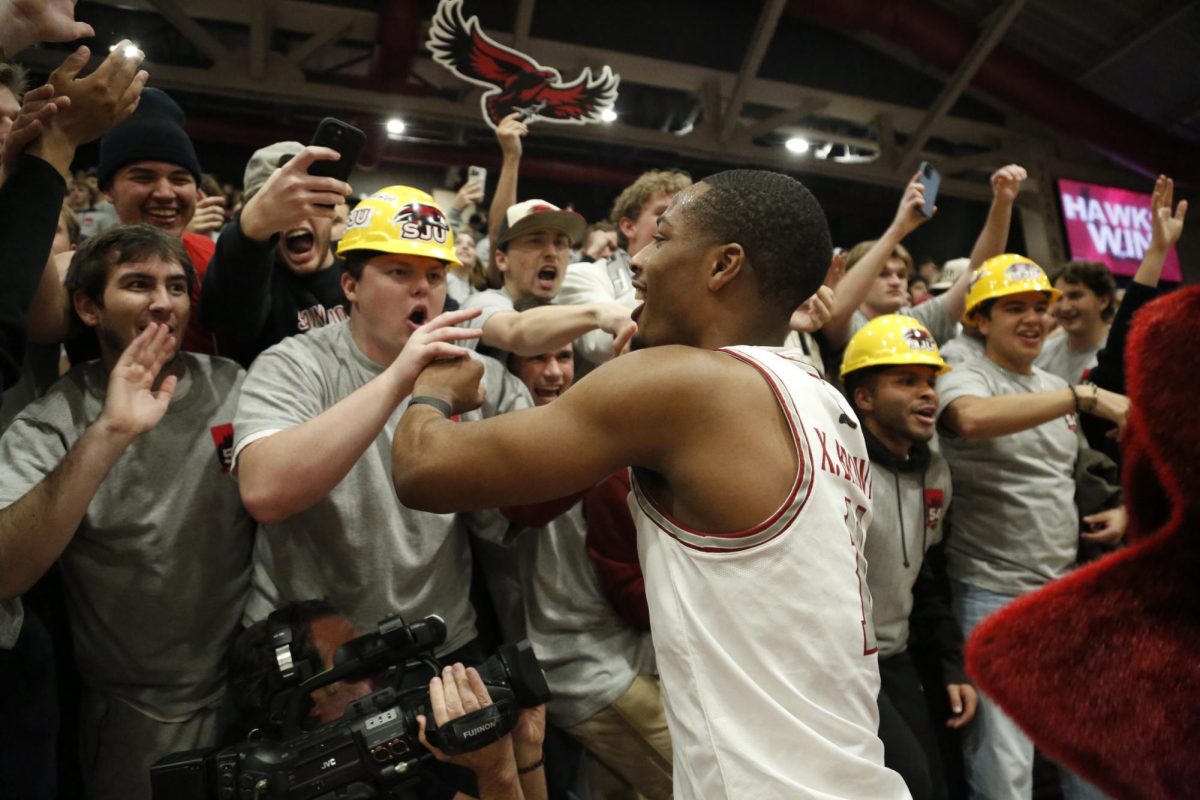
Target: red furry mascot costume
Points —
{"points": [[1102, 668]]}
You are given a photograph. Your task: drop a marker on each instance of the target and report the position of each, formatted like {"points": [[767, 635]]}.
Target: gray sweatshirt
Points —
{"points": [[910, 497]]}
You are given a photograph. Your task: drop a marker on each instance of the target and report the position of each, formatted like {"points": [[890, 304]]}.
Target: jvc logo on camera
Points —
{"points": [[328, 763]]}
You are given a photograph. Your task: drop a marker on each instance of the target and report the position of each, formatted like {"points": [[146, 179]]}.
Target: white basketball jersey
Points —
{"points": [[763, 637]]}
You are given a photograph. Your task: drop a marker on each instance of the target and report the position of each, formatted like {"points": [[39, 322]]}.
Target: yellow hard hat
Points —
{"points": [[892, 340], [1000, 276], [402, 220]]}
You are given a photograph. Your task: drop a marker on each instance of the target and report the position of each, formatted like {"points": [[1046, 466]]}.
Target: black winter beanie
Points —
{"points": [[154, 132]]}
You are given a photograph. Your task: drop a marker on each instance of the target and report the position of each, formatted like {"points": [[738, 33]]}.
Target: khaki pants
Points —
{"points": [[630, 738]]}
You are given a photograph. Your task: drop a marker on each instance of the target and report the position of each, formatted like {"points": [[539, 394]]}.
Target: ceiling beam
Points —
{"points": [[523, 24], [299, 16], [764, 31], [279, 89], [193, 31], [319, 41], [958, 82], [887, 137], [786, 117], [1118, 50], [260, 37], [324, 20]]}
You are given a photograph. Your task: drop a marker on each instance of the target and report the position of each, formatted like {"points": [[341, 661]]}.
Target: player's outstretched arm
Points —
{"points": [[618, 417]]}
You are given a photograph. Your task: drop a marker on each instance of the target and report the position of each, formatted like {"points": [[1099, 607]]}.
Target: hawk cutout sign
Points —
{"points": [[515, 82]]}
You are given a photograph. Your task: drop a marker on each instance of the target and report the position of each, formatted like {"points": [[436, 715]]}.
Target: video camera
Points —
{"points": [[373, 749]]}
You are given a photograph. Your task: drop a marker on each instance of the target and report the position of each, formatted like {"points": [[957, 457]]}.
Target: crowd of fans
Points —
{"points": [[203, 383]]}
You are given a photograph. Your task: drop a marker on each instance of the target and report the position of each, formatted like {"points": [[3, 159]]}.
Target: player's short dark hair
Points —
{"points": [[1096, 277], [254, 670], [778, 223], [121, 244]]}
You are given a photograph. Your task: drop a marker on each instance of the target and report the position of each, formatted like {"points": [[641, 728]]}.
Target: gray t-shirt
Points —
{"points": [[38, 373], [157, 573], [1059, 359], [932, 314], [590, 655], [1014, 526], [491, 301], [358, 546], [961, 349]]}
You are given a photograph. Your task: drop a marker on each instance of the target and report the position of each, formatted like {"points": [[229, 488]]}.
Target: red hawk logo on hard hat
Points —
{"points": [[515, 81], [422, 221], [919, 339]]}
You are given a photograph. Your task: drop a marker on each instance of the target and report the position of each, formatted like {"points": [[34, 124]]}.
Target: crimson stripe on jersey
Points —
{"points": [[774, 525]]}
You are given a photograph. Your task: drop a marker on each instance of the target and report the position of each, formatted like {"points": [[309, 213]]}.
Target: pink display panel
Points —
{"points": [[1111, 226]]}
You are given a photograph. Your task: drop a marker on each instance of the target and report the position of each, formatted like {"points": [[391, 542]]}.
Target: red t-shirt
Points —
{"points": [[200, 250]]}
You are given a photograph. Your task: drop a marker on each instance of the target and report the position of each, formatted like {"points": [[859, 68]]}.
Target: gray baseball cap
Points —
{"points": [[263, 164]]}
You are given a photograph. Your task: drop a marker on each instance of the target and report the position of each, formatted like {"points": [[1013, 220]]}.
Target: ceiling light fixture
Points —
{"points": [[797, 144]]}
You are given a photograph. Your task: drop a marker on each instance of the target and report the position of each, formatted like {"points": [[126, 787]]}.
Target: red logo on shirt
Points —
{"points": [[223, 438], [934, 500]]}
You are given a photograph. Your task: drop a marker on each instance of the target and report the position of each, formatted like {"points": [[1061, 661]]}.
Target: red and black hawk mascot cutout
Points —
{"points": [[1102, 668], [516, 82]]}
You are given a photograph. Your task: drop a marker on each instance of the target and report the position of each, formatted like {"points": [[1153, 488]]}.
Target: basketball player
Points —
{"points": [[752, 489]]}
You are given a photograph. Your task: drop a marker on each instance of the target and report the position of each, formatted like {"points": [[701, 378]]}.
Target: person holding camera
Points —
{"points": [[507, 769]]}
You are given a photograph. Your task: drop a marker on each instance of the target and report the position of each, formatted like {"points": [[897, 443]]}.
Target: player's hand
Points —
{"points": [[813, 312], [1165, 227], [509, 133], [1106, 527], [963, 702], [131, 407], [457, 692], [471, 192], [458, 380], [908, 215], [209, 216], [291, 196], [1006, 182]]}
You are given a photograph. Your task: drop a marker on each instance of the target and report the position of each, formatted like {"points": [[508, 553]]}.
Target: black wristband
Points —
{"points": [[436, 402], [532, 767]]}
